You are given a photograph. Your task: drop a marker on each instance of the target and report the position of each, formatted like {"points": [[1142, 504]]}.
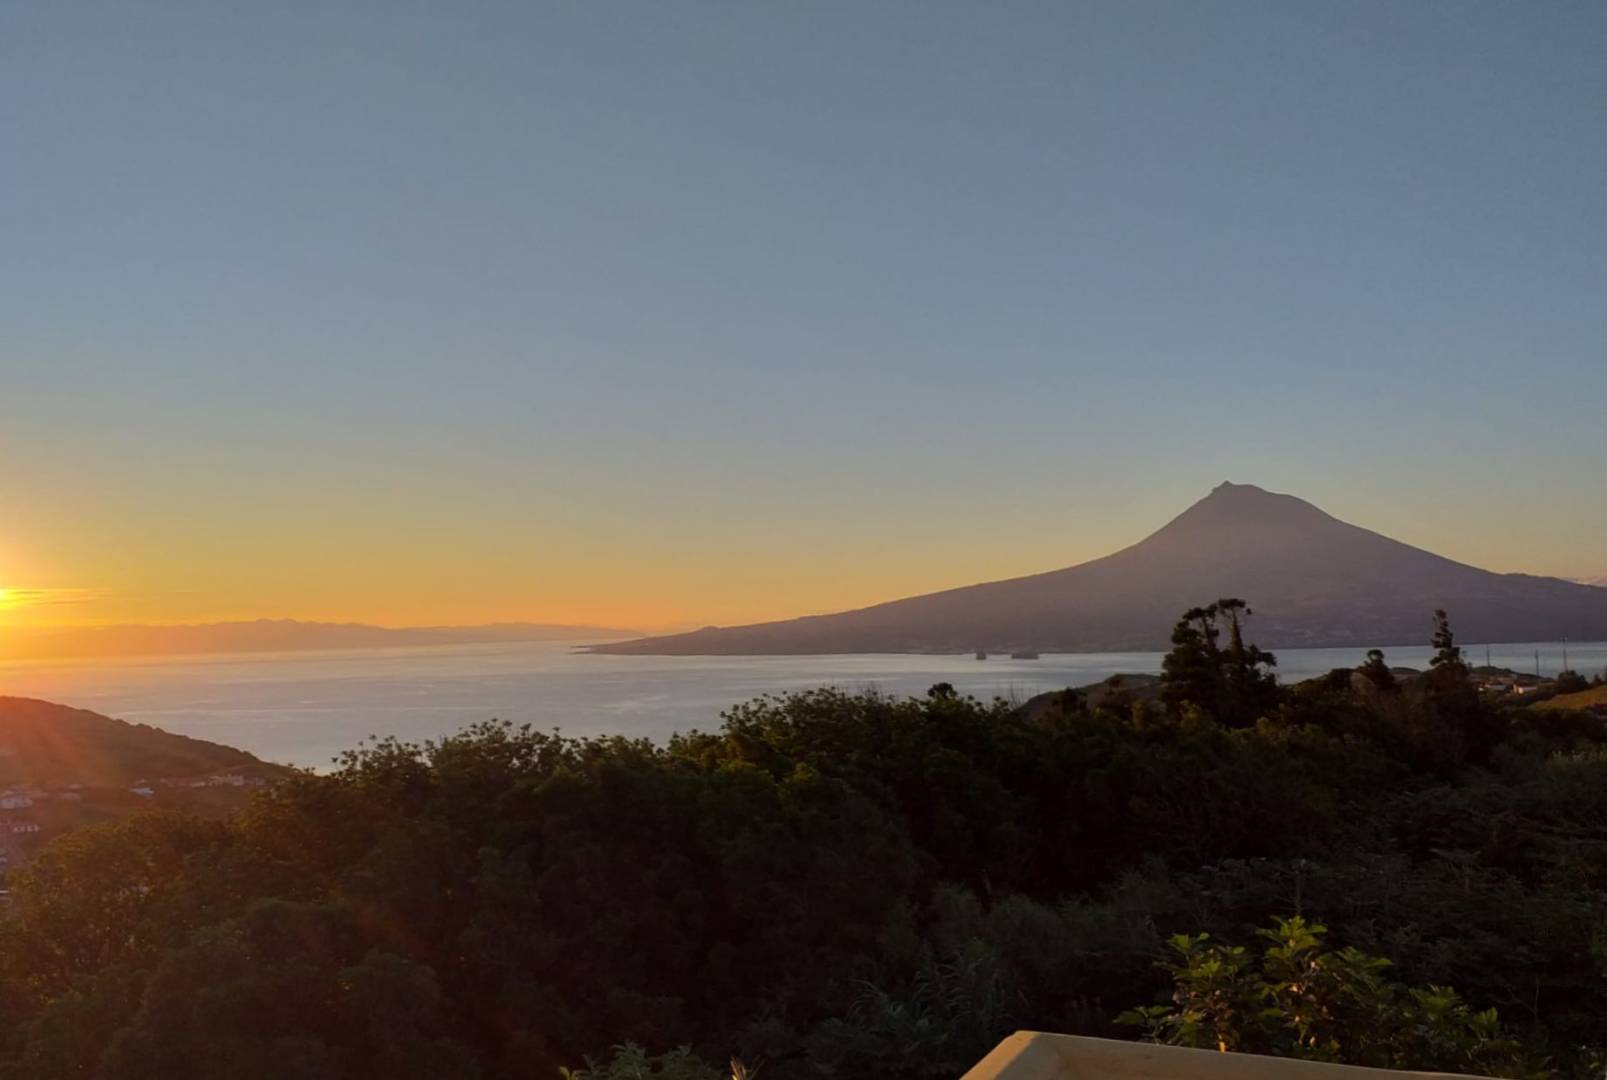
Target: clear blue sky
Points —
{"points": [[750, 309]]}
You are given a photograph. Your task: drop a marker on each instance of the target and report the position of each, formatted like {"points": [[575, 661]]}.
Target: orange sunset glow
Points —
{"points": [[765, 541], [312, 557]]}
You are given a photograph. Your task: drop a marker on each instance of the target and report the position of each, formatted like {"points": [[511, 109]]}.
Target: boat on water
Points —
{"points": [[980, 655], [1024, 654]]}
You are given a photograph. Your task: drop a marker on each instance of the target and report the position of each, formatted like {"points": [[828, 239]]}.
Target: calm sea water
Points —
{"points": [[303, 708]]}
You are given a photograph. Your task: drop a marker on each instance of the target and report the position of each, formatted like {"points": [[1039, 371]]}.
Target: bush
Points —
{"points": [[1299, 999]]}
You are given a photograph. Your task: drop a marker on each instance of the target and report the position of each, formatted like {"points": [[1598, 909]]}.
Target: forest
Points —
{"points": [[1372, 867]]}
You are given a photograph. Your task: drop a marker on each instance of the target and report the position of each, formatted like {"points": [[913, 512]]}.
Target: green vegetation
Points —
{"points": [[845, 885], [1302, 1000], [1589, 697], [1570, 682], [1234, 685]]}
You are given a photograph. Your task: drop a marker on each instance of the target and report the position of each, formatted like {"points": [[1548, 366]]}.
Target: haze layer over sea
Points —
{"points": [[303, 708]]}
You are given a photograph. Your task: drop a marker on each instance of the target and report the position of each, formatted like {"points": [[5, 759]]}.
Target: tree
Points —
{"points": [[1447, 654], [1570, 682], [1449, 724], [1189, 671], [504, 901], [1301, 999], [1229, 684], [1377, 671], [1250, 690], [287, 989]]}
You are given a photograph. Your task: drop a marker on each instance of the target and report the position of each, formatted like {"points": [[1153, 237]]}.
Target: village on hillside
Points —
{"points": [[31, 814]]}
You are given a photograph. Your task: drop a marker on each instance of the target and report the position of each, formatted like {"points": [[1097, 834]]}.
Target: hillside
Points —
{"points": [[1312, 580], [1592, 700], [50, 745]]}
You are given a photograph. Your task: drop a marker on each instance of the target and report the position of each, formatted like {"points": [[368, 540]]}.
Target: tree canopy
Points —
{"points": [[842, 884]]}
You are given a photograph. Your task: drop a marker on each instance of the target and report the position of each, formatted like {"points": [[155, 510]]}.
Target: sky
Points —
{"points": [[664, 314]]}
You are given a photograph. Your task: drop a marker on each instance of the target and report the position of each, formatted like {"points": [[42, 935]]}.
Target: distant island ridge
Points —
{"points": [[272, 635], [1312, 580]]}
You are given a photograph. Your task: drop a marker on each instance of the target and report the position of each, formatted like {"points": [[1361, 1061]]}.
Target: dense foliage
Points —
{"points": [[842, 885], [1299, 999]]}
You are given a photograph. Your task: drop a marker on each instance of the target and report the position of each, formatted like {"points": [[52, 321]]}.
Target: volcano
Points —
{"points": [[1312, 580]]}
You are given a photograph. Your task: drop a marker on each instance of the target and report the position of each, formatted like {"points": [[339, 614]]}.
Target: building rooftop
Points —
{"points": [[1035, 1055]]}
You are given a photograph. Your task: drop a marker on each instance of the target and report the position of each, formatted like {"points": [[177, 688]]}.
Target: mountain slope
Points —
{"points": [[1312, 580], [44, 743]]}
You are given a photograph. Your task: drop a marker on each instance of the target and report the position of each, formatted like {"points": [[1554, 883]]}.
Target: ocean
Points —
{"points": [[303, 708]]}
